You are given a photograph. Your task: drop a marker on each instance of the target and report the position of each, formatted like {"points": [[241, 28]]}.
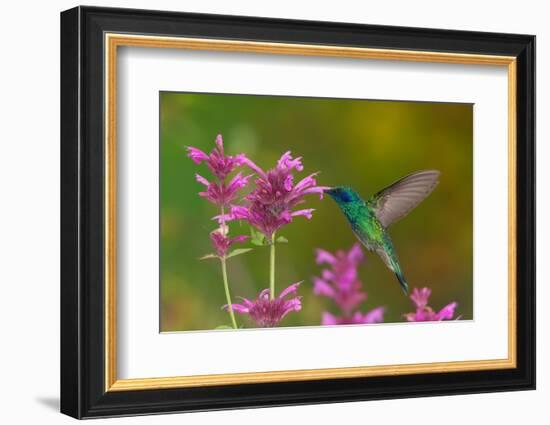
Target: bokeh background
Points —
{"points": [[361, 143]]}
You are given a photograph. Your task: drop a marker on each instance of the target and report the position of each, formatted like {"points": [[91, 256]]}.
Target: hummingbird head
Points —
{"points": [[343, 195]]}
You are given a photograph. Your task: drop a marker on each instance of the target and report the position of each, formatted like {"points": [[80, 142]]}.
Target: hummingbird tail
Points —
{"points": [[402, 282], [390, 259]]}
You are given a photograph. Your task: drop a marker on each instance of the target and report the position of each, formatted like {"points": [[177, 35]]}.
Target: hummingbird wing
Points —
{"points": [[395, 201]]}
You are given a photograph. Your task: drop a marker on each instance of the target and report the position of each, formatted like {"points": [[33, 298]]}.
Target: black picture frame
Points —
{"points": [[83, 392]]}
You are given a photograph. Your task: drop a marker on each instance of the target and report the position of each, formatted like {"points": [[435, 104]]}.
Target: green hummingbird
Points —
{"points": [[370, 220]]}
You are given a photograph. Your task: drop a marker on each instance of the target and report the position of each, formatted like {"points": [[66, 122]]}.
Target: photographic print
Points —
{"points": [[300, 211], [308, 196]]}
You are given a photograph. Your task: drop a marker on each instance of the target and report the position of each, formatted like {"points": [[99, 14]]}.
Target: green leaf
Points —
{"points": [[239, 251], [282, 239], [222, 327], [208, 257], [257, 238]]}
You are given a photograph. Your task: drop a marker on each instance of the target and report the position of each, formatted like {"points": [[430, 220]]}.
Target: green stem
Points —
{"points": [[272, 268], [223, 213], [227, 294], [225, 281]]}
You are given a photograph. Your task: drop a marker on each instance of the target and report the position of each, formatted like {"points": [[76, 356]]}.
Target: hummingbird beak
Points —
{"points": [[330, 191]]}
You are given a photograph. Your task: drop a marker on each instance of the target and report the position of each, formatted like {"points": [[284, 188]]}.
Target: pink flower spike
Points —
{"points": [[268, 313], [220, 164], [271, 204], [339, 281], [420, 297], [424, 313]]}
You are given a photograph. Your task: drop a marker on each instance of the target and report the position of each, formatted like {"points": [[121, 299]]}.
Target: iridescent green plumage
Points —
{"points": [[369, 220]]}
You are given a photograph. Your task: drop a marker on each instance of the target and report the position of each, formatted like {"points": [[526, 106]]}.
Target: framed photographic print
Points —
{"points": [[261, 212]]}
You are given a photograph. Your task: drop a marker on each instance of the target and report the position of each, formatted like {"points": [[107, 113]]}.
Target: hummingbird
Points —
{"points": [[370, 219]]}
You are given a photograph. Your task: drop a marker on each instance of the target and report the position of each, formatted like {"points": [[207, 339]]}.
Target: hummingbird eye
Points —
{"points": [[345, 196]]}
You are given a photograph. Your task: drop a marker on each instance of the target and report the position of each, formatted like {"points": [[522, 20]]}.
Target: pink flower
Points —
{"points": [[424, 313], [220, 193], [271, 204], [222, 242], [374, 316], [420, 297], [340, 281], [220, 165], [268, 313]]}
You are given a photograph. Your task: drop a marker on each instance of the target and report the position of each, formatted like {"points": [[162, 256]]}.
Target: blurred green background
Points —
{"points": [[361, 143]]}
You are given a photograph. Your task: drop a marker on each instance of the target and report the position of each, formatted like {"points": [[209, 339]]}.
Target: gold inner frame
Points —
{"points": [[113, 41]]}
